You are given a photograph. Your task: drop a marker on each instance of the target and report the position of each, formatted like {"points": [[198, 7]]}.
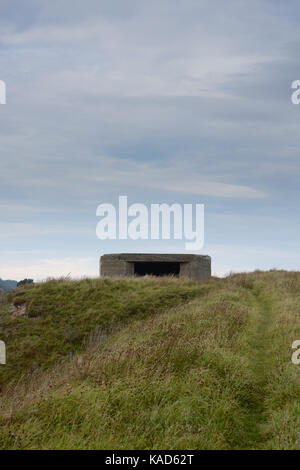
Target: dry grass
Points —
{"points": [[209, 368], [61, 315]]}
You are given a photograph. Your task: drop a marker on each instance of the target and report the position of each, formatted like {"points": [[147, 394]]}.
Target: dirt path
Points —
{"points": [[260, 363]]}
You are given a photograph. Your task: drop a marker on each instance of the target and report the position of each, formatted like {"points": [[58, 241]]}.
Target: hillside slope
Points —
{"points": [[43, 323], [6, 286], [184, 365]]}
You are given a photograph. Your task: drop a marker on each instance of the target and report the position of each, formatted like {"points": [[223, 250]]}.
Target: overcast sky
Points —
{"points": [[185, 101]]}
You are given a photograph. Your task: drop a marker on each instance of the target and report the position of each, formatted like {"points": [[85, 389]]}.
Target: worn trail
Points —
{"points": [[260, 363]]}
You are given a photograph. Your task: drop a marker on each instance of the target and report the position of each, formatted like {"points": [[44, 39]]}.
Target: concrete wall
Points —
{"points": [[113, 267], [194, 267], [199, 268]]}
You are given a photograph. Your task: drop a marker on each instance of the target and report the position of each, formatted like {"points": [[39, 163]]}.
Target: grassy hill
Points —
{"points": [[152, 363]]}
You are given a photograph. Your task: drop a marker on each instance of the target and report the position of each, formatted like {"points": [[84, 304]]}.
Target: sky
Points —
{"points": [[169, 101]]}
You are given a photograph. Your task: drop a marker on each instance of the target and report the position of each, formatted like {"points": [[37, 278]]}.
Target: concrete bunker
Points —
{"points": [[194, 267]]}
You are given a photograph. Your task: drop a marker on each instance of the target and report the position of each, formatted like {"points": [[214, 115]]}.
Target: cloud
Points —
{"points": [[19, 230], [42, 268], [177, 178], [157, 100]]}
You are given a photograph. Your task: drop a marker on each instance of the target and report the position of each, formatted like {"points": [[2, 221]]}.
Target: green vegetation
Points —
{"points": [[154, 363], [24, 282], [50, 321]]}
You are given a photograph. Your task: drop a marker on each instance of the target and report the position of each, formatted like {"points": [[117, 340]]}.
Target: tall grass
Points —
{"points": [[185, 366], [59, 316]]}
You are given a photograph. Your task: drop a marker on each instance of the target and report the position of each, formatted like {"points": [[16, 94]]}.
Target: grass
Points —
{"points": [[184, 365], [62, 317]]}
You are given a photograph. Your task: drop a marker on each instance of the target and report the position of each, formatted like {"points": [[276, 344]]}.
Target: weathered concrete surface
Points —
{"points": [[194, 267]]}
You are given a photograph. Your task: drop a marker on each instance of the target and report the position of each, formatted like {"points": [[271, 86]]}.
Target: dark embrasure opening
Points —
{"points": [[156, 268]]}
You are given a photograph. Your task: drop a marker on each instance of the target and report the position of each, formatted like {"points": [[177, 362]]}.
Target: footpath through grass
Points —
{"points": [[259, 364], [272, 418], [189, 367]]}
